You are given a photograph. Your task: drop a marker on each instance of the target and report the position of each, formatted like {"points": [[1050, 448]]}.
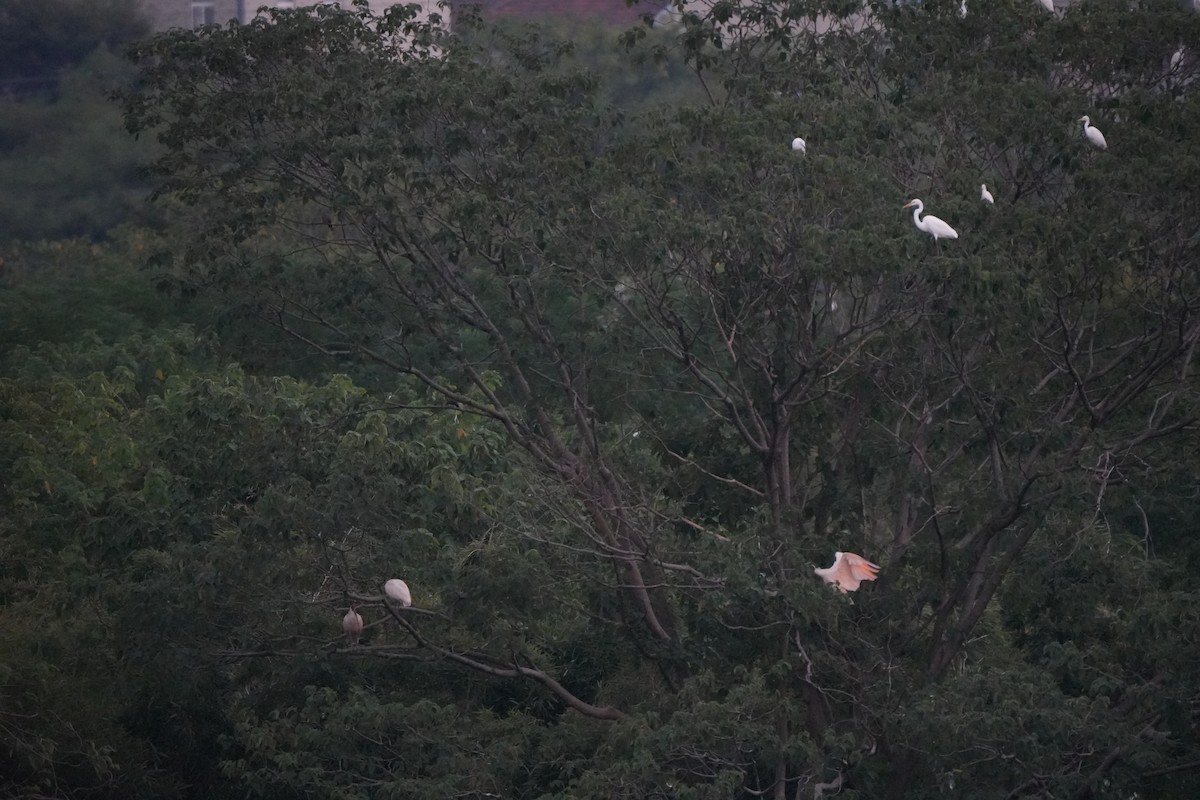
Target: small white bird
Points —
{"points": [[848, 571], [398, 591], [962, 9], [932, 225], [1047, 4], [1093, 134], [985, 195], [1177, 58], [352, 624], [798, 144]]}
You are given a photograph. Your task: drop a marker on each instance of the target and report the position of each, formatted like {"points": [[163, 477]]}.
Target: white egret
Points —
{"points": [[1093, 134], [798, 144], [985, 195], [398, 591], [1047, 4], [1177, 58], [962, 9], [932, 225], [848, 571], [352, 624]]}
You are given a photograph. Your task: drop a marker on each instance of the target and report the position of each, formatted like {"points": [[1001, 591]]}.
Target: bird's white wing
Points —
{"points": [[859, 567], [848, 571], [939, 228], [352, 625], [398, 591]]}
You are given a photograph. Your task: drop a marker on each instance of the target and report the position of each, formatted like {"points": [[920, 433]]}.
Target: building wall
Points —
{"points": [[376, 6], [605, 12], [164, 14]]}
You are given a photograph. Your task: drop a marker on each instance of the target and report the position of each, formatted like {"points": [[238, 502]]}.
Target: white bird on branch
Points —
{"points": [[848, 571], [398, 591], [934, 226], [798, 144], [1093, 134], [352, 624], [985, 195]]}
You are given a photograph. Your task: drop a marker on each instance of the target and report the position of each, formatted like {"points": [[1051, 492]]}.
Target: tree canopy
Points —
{"points": [[40, 37], [620, 369]]}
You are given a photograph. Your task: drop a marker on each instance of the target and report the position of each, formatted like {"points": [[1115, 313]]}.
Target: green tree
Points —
{"points": [[178, 541], [54, 290], [68, 168], [40, 37], [716, 361]]}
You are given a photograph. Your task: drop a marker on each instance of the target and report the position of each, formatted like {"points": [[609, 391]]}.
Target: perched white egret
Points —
{"points": [[1093, 134], [985, 195], [932, 225], [962, 9], [398, 591], [352, 624], [798, 144], [1177, 58], [1047, 4], [848, 571]]}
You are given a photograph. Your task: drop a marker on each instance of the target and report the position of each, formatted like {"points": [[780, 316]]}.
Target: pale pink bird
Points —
{"points": [[848, 571], [398, 591], [352, 624]]}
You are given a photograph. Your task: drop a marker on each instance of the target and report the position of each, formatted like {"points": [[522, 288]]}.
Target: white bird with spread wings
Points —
{"points": [[848, 571]]}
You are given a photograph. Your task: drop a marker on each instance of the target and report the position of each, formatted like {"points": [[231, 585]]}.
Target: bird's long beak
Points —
{"points": [[907, 205]]}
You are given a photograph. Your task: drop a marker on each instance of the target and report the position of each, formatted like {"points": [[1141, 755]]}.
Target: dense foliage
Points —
{"points": [[602, 368], [67, 166], [40, 37]]}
